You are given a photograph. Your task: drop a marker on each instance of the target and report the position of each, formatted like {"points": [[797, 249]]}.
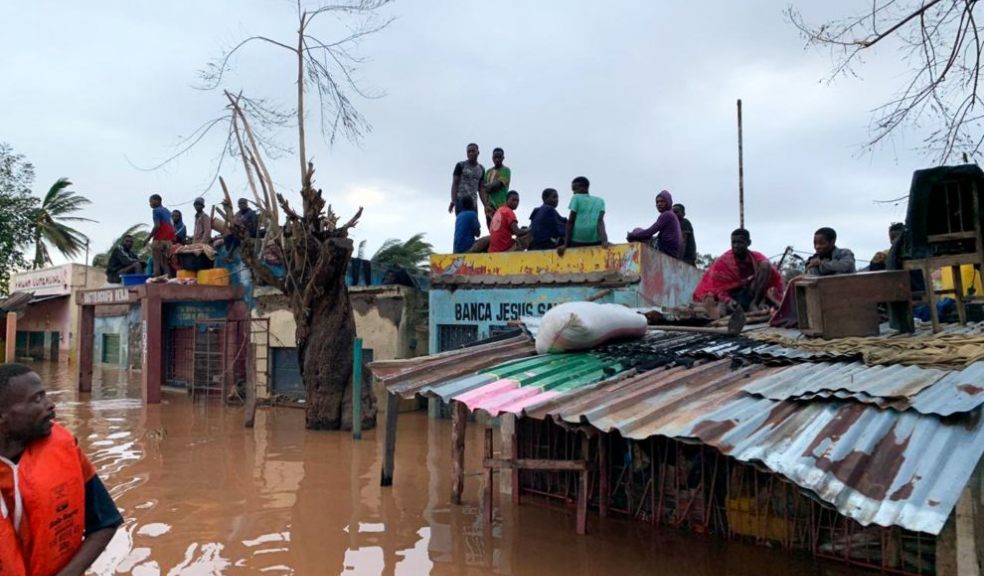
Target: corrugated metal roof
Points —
{"points": [[875, 466], [822, 426], [409, 377], [926, 390]]}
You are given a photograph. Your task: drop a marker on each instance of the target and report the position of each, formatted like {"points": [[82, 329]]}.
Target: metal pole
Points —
{"points": [[357, 390], [741, 174]]}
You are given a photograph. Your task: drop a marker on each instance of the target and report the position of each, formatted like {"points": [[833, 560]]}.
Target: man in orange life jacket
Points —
{"points": [[56, 517]]}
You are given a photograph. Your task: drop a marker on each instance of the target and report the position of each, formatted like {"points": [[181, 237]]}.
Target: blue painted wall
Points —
{"points": [[489, 309]]}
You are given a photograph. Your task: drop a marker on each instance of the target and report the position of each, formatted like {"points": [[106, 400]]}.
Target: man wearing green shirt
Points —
{"points": [[496, 185], [586, 223]]}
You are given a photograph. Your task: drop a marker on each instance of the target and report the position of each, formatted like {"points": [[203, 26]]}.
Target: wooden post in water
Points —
{"points": [[357, 390], [603, 475], [389, 449], [489, 474], [249, 407], [582, 489], [741, 174], [459, 418]]}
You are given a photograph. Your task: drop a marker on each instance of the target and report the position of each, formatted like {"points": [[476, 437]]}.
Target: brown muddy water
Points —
{"points": [[202, 495]]}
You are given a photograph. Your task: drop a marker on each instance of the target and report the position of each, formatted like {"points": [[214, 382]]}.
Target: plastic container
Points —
{"points": [[213, 277], [187, 275], [134, 279]]}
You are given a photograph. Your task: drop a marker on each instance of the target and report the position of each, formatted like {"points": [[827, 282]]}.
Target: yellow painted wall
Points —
{"points": [[617, 258]]}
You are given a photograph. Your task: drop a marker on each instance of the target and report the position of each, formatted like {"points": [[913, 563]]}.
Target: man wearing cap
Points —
{"points": [[203, 224]]}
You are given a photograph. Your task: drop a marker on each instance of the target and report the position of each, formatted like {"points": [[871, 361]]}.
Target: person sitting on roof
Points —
{"points": [[829, 259], [879, 260], [739, 277], [504, 226], [547, 226], [666, 229], [122, 260], [466, 226], [688, 251]]}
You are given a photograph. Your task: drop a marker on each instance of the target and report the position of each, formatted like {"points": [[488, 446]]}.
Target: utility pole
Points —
{"points": [[741, 174]]}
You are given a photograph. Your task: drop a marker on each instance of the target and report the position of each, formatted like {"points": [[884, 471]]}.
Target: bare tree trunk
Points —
{"points": [[325, 335]]}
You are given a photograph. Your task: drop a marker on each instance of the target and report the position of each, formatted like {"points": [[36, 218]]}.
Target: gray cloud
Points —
{"points": [[638, 96]]}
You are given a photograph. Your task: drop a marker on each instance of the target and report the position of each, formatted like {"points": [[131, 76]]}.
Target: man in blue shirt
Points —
{"points": [[547, 225], [466, 226]]}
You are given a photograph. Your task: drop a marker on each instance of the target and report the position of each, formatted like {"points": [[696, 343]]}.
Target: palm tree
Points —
{"points": [[50, 226], [139, 233], [413, 255]]}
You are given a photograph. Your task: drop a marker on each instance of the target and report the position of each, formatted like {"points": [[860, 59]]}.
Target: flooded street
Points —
{"points": [[202, 495]]}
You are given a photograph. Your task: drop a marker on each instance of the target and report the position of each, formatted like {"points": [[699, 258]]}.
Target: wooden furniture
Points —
{"points": [[928, 265], [846, 305], [953, 238]]}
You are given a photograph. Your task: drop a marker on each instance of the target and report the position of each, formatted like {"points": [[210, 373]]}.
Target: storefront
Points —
{"points": [[48, 326]]}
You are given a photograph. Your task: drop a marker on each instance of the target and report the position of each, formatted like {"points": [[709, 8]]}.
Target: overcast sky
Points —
{"points": [[636, 95]]}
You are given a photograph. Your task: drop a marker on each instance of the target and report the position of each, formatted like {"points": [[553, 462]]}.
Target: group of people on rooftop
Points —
{"points": [[584, 225], [740, 279], [743, 280], [169, 234]]}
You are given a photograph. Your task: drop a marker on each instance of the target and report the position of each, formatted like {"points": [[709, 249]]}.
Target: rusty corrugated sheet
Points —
{"points": [[925, 390], [900, 467], [876, 466]]}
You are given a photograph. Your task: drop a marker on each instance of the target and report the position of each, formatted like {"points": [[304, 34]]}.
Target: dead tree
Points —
{"points": [[309, 242], [941, 42]]}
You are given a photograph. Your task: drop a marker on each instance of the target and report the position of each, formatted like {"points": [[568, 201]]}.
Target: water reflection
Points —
{"points": [[201, 495]]}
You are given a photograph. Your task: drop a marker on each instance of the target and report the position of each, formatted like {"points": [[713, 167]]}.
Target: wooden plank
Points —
{"points": [[534, 464], [86, 336], [459, 419], [249, 408], [10, 343], [934, 314], [509, 479], [959, 293], [582, 492], [389, 448], [603, 475], [152, 348], [489, 476]]}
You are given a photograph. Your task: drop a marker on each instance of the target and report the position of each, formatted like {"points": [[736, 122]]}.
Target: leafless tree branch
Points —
{"points": [[941, 42]]}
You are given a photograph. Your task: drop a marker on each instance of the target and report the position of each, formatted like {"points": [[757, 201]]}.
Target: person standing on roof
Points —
{"points": [[56, 516], [467, 179], [496, 185], [161, 236], [248, 218], [203, 224], [689, 254], [586, 221], [180, 231], [666, 229], [829, 259]]}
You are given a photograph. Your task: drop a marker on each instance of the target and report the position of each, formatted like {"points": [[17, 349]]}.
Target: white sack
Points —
{"points": [[583, 325]]}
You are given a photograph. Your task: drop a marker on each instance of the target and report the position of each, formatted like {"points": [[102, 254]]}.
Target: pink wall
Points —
{"points": [[53, 315]]}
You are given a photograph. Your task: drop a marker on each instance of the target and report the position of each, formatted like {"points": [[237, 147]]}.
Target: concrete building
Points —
{"points": [[476, 296], [48, 327], [390, 319]]}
